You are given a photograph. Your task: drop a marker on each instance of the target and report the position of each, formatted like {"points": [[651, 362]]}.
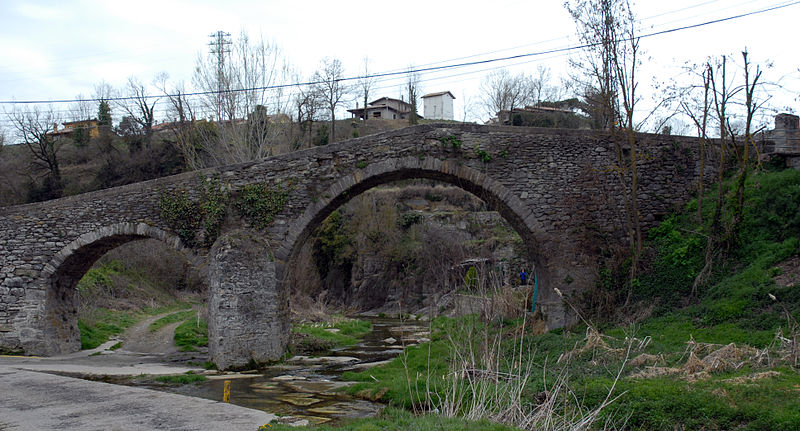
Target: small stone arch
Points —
{"points": [[59, 277], [522, 219]]}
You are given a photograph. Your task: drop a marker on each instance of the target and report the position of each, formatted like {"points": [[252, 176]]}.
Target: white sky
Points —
{"points": [[59, 49]]}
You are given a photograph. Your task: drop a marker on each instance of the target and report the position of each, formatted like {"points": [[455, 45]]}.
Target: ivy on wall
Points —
{"points": [[181, 214], [213, 207], [258, 203], [199, 223]]}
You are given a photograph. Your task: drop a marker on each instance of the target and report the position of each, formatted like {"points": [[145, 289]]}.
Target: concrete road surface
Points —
{"points": [[33, 400]]}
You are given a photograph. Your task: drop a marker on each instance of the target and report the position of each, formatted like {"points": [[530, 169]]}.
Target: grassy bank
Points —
{"points": [[191, 334], [394, 419], [339, 332]]}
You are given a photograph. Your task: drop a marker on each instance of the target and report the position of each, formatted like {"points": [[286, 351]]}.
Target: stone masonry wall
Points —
{"points": [[551, 185]]}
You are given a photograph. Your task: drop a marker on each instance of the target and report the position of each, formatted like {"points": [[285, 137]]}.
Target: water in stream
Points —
{"points": [[307, 387]]}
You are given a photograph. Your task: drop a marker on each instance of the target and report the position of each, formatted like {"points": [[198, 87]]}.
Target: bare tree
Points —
{"points": [[181, 112], [365, 84], [245, 94], [538, 86], [103, 91], [9, 194], [140, 108], [34, 128], [309, 103], [724, 226], [600, 24], [751, 105], [83, 109], [412, 87], [328, 83], [609, 61], [694, 102], [503, 91], [468, 103]]}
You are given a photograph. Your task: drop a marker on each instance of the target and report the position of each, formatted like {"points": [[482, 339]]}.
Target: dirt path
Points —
{"points": [[138, 338]]}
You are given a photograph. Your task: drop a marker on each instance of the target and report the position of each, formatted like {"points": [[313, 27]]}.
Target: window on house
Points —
{"points": [[376, 115]]}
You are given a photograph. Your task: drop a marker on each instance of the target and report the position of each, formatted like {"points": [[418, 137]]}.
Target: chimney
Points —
{"points": [[55, 127]]}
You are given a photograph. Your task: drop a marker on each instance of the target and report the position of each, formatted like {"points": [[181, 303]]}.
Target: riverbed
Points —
{"points": [[310, 387]]}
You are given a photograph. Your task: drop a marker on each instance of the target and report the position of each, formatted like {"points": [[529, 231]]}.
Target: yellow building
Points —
{"points": [[70, 126]]}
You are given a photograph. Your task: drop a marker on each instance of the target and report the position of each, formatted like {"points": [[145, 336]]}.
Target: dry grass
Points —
{"points": [[705, 359], [492, 372]]}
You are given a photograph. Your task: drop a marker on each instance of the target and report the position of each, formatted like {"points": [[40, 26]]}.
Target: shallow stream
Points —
{"points": [[308, 387]]}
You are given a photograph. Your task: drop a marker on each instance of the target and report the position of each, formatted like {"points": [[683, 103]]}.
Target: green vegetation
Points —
{"points": [[181, 214], [191, 334], [392, 382], [452, 141], [393, 419], [341, 332], [736, 295], [181, 379], [483, 154], [410, 218], [98, 326], [258, 203], [104, 324], [99, 277], [188, 217], [180, 316], [332, 242]]}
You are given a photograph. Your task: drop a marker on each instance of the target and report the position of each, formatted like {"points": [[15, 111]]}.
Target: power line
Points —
{"points": [[418, 70]]}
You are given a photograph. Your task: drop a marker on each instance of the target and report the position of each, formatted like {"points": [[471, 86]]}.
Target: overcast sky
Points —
{"points": [[59, 49]]}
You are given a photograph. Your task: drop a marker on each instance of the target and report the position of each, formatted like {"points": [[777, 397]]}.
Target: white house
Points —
{"points": [[438, 106]]}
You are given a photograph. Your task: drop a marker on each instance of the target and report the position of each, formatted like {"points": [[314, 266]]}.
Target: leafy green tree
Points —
{"points": [[80, 136], [104, 126], [104, 114], [131, 132]]}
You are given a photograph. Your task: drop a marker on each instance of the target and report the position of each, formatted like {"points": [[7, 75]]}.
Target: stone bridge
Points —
{"points": [[559, 189]]}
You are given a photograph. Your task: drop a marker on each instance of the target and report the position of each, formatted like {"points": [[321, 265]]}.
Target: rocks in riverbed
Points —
{"points": [[299, 399], [287, 378], [322, 360]]}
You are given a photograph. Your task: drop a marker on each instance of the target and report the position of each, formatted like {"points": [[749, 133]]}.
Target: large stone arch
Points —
{"points": [[520, 217], [60, 276]]}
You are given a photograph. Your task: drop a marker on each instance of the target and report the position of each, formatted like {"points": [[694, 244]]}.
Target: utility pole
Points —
{"points": [[220, 45]]}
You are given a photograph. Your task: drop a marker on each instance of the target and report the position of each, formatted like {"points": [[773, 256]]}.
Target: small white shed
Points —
{"points": [[438, 106]]}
